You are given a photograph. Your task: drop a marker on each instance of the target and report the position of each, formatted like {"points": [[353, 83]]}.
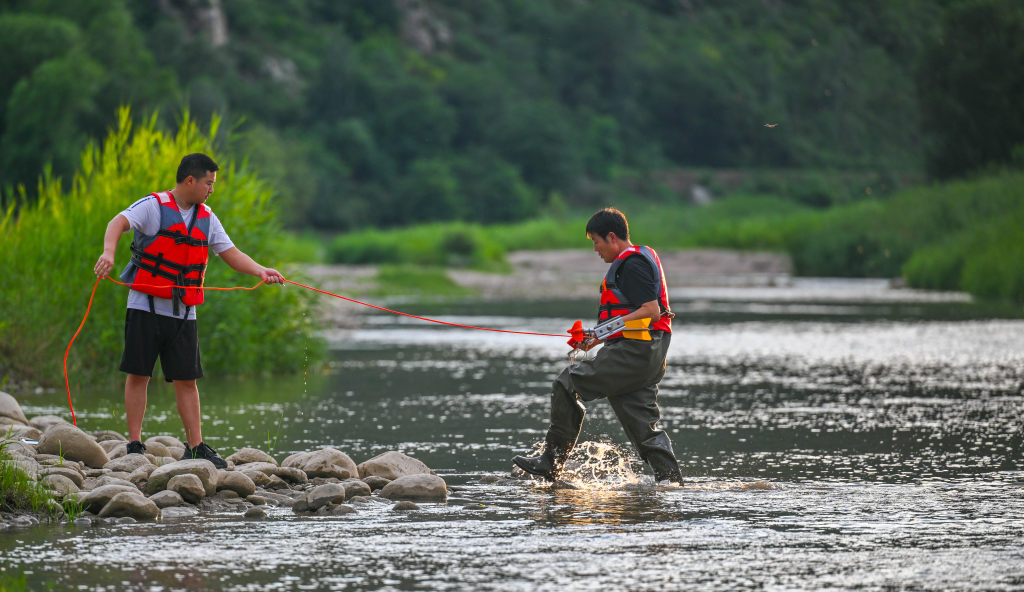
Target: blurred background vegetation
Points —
{"points": [[867, 138]]}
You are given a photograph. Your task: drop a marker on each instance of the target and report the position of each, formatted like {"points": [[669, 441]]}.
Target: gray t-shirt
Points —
{"points": [[144, 216]]}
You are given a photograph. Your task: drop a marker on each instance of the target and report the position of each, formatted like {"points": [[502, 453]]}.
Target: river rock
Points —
{"points": [[156, 447], [376, 482], [68, 472], [72, 443], [405, 506], [392, 465], [108, 479], [24, 464], [109, 436], [97, 499], [133, 505], [10, 409], [251, 455], [168, 441], [287, 473], [330, 493], [188, 486], [354, 487], [237, 482], [41, 422], [416, 487], [203, 469], [128, 463], [172, 513], [114, 448], [166, 499], [59, 483], [327, 462], [18, 448], [255, 513], [140, 476], [17, 431]]}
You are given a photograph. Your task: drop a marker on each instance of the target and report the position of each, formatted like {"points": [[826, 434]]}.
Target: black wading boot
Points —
{"points": [[547, 464], [667, 471]]}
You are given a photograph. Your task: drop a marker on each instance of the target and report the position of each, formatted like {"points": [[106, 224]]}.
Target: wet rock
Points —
{"points": [[278, 499], [300, 506], [41, 422], [72, 443], [290, 474], [259, 478], [256, 513], [166, 499], [95, 500], [392, 465], [67, 472], [109, 436], [130, 505], [256, 500], [60, 484], [11, 409], [228, 495], [327, 462], [342, 509], [331, 493], [82, 522], [237, 482], [175, 513], [128, 463], [203, 469], [404, 506], [376, 482], [277, 483], [188, 486], [251, 455], [489, 479], [416, 487], [355, 487], [360, 499]]}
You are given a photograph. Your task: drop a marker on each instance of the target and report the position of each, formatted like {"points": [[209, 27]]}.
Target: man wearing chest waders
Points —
{"points": [[173, 233], [628, 368]]}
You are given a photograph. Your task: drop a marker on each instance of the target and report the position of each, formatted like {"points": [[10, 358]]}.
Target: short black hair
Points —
{"points": [[606, 221], [195, 165]]}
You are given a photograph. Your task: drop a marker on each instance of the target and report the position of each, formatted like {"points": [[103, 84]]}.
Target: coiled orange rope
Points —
{"points": [[67, 382]]}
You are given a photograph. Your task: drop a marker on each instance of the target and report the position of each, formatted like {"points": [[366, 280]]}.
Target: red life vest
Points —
{"points": [[175, 256], [614, 302]]}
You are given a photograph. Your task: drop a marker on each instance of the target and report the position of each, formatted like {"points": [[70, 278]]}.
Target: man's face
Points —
{"points": [[200, 189], [605, 248]]}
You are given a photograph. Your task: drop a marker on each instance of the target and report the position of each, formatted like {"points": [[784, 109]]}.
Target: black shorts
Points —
{"points": [[175, 341]]}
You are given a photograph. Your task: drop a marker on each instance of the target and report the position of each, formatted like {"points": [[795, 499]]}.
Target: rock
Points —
{"points": [[109, 436], [168, 441], [188, 486], [277, 483], [67, 472], [41, 422], [416, 487], [72, 443], [166, 499], [16, 431], [172, 513], [256, 500], [128, 463], [10, 409], [328, 462], [291, 474], [278, 499], [489, 479], [300, 506], [392, 465], [82, 522], [97, 499], [250, 455], [24, 464], [114, 448], [18, 448], [141, 475], [235, 481], [156, 447], [255, 513], [132, 505], [342, 509], [228, 495], [360, 499], [404, 506], [259, 478], [354, 487], [331, 493], [376, 482], [109, 479], [203, 469], [59, 483]]}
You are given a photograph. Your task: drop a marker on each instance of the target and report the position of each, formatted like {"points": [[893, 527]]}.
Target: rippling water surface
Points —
{"points": [[834, 436]]}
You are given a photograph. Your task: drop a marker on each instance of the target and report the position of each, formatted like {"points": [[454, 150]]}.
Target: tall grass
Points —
{"points": [[49, 249]]}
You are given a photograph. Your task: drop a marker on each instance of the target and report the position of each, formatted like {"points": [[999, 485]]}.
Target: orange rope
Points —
{"points": [[67, 383]]}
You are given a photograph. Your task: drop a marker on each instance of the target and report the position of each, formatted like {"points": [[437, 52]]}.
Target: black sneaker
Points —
{"points": [[136, 447], [204, 452]]}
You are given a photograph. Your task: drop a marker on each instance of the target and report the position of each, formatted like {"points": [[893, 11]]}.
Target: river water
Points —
{"points": [[834, 435]]}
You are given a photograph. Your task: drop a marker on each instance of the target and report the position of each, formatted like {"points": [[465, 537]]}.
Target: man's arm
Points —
{"points": [[243, 263], [117, 226]]}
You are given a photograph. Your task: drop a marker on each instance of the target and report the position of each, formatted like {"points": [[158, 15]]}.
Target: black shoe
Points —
{"points": [[136, 447], [542, 465], [204, 452]]}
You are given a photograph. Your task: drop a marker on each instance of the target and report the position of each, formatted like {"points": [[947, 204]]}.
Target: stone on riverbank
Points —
{"points": [[10, 410], [416, 487], [404, 506], [59, 483], [109, 436], [188, 486], [128, 463], [250, 455], [72, 443], [327, 462], [331, 493], [68, 472], [166, 499], [237, 482], [203, 469], [291, 474], [132, 505], [42, 422], [376, 482], [392, 465], [355, 487], [97, 499]]}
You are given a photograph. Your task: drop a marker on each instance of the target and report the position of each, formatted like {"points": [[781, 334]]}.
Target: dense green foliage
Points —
{"points": [[384, 113], [51, 246]]}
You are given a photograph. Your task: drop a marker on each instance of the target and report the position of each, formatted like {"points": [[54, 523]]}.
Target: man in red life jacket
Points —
{"points": [[625, 370], [173, 233]]}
